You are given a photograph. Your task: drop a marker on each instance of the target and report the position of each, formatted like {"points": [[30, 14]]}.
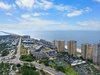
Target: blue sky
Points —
{"points": [[19, 15]]}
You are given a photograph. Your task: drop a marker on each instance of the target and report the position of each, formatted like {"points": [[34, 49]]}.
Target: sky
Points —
{"points": [[21, 15]]}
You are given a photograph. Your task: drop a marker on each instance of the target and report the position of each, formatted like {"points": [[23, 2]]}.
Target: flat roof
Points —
{"points": [[38, 47], [77, 63]]}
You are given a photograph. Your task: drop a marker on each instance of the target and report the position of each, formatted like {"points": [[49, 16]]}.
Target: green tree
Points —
{"points": [[18, 65], [42, 72], [5, 53]]}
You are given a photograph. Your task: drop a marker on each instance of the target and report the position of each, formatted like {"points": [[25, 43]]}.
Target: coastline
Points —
{"points": [[78, 49]]}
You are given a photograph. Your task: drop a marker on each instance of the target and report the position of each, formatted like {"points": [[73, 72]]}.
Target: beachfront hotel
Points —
{"points": [[96, 54], [72, 48], [60, 44], [87, 51]]}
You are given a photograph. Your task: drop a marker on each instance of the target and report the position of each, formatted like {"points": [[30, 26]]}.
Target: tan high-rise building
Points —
{"points": [[96, 54], [84, 48], [87, 50], [90, 53], [60, 45], [72, 48]]}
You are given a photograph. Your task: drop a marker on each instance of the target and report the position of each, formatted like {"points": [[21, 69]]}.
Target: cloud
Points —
{"points": [[87, 9], [31, 23], [75, 13], [71, 11], [44, 4], [34, 24], [25, 16], [5, 6], [28, 16], [9, 14], [34, 4], [62, 7], [37, 22], [25, 3], [97, 0], [39, 14], [78, 12], [28, 22], [90, 24]]}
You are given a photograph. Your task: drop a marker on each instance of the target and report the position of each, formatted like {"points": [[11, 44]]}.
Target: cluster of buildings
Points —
{"points": [[60, 44], [88, 51], [46, 43], [50, 53], [9, 46], [37, 47], [91, 52], [26, 40], [10, 41]]}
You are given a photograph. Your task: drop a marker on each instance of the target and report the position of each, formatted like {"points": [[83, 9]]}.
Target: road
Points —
{"points": [[37, 65], [18, 51], [47, 69], [16, 60], [10, 55]]}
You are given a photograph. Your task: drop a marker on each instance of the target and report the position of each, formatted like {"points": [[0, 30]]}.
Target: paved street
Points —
{"points": [[18, 51], [47, 69], [37, 65]]}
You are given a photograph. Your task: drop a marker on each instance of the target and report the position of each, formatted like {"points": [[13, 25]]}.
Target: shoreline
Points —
{"points": [[78, 49]]}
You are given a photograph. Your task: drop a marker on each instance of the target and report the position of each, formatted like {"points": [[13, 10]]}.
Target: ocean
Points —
{"points": [[91, 37]]}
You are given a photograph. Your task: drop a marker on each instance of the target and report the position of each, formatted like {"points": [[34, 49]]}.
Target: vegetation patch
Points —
{"points": [[59, 66], [4, 68], [23, 50], [27, 57]]}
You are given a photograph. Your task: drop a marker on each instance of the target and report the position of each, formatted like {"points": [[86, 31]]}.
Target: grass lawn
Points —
{"points": [[47, 48], [34, 44], [23, 50], [70, 71], [53, 65]]}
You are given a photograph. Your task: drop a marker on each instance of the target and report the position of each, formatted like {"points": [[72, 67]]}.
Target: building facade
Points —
{"points": [[72, 48], [90, 53], [87, 51], [96, 54], [60, 44]]}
